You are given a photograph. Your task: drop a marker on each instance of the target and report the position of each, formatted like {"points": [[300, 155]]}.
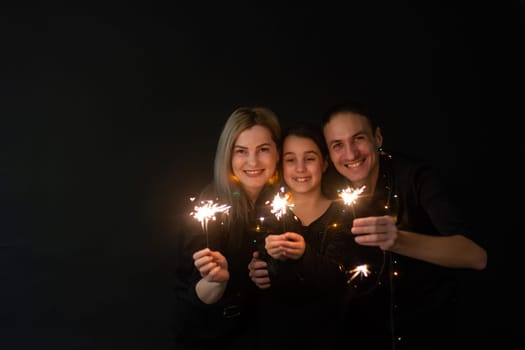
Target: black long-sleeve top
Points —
{"points": [[415, 304], [229, 323], [304, 306]]}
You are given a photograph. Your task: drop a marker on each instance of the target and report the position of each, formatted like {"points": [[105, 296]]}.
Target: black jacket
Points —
{"points": [[415, 304]]}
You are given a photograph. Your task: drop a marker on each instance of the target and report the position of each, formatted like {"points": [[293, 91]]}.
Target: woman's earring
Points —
{"points": [[379, 149]]}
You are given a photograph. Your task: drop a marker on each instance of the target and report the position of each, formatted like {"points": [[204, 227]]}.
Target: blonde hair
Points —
{"points": [[226, 186]]}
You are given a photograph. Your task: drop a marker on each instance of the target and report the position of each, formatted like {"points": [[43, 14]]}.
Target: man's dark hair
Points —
{"points": [[356, 107]]}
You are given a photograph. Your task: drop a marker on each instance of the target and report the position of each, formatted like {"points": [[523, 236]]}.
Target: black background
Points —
{"points": [[110, 116]]}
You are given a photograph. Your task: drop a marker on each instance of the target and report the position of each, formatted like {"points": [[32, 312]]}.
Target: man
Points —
{"points": [[406, 212]]}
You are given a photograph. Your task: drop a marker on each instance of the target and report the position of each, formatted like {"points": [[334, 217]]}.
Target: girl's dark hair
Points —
{"points": [[309, 131]]}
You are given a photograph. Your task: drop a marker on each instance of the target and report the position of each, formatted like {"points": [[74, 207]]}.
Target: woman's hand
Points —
{"points": [[212, 265]]}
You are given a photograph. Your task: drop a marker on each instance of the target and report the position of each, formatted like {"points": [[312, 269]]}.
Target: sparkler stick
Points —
{"points": [[206, 212]]}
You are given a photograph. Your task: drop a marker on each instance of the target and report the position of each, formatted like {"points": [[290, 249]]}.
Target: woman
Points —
{"points": [[213, 289]]}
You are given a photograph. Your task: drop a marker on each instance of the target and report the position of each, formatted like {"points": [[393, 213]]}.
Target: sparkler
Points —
{"points": [[359, 270], [280, 203], [207, 212], [350, 195]]}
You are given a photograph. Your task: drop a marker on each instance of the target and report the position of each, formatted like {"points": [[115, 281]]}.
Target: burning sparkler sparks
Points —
{"points": [[280, 203], [350, 195], [359, 270], [207, 212]]}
